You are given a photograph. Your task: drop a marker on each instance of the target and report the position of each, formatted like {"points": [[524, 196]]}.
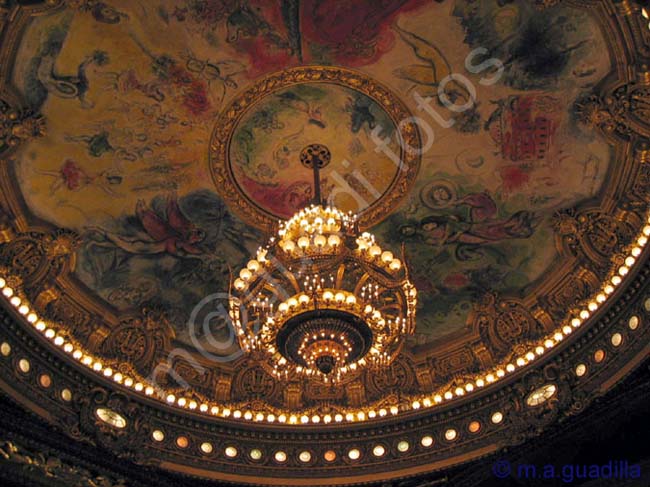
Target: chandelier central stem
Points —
{"points": [[316, 157]]}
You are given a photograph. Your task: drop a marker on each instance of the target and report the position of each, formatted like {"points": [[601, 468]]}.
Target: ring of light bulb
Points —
{"points": [[442, 395]]}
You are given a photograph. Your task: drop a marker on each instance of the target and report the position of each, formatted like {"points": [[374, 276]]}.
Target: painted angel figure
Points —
{"points": [[175, 235]]}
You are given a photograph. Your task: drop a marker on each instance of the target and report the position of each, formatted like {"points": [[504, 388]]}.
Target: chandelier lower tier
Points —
{"points": [[322, 299]]}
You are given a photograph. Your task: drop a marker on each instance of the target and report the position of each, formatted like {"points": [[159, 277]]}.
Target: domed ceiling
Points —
{"points": [[150, 148]]}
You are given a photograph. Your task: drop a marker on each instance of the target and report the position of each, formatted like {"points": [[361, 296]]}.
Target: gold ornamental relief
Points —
{"points": [[256, 143]]}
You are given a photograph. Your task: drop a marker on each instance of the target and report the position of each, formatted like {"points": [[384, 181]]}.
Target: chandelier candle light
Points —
{"points": [[322, 299]]}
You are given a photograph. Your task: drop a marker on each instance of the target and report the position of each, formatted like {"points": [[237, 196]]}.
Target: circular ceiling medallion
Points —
{"points": [[255, 151]]}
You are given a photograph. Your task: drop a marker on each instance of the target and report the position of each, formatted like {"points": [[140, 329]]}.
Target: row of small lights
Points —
{"points": [[306, 456], [534, 399], [422, 402]]}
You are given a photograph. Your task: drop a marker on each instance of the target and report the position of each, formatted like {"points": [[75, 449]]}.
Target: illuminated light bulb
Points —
{"points": [[616, 280], [601, 298], [480, 383], [636, 251], [303, 299], [448, 395], [521, 362], [350, 299], [8, 292], [292, 302], [289, 246], [304, 222], [394, 410], [623, 270], [239, 284], [253, 265], [609, 289], [437, 398], [320, 240], [646, 230], [395, 264], [593, 306], [575, 322], [584, 314], [245, 274], [566, 329], [375, 250], [387, 257], [261, 255], [283, 307], [548, 343], [328, 295], [510, 368], [340, 297], [630, 261], [303, 242], [490, 378], [334, 240], [362, 243], [539, 350], [416, 404]]}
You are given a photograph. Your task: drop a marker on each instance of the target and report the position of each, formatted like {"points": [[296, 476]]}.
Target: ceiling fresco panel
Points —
{"points": [[150, 147]]}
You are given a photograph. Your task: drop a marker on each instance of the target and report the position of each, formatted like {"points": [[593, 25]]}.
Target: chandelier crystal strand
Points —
{"points": [[321, 299]]}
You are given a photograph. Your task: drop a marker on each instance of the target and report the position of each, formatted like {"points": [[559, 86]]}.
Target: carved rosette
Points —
{"points": [[140, 341], [17, 125], [399, 377], [504, 322], [594, 235], [38, 259], [622, 113]]}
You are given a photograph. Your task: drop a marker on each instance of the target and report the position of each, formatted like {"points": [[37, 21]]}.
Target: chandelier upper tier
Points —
{"points": [[322, 299]]}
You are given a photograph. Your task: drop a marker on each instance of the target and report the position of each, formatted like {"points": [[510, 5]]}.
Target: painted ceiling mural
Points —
{"points": [[148, 148], [132, 91]]}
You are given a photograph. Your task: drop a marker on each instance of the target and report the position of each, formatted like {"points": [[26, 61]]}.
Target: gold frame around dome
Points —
{"points": [[230, 117], [609, 345]]}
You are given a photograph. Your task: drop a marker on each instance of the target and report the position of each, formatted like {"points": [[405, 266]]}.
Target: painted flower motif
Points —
{"points": [[513, 178], [195, 99], [457, 280]]}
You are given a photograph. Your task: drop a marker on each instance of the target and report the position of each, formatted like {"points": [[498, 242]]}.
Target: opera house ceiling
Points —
{"points": [[317, 242]]}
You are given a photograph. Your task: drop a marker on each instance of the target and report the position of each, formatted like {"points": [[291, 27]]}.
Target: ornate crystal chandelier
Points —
{"points": [[322, 299]]}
